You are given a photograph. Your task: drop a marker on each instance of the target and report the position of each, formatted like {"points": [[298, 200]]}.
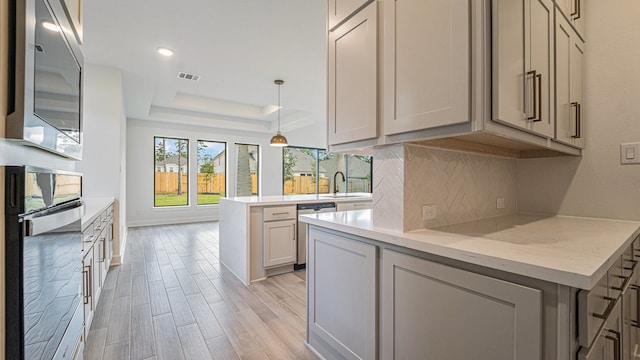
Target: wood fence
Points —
{"points": [[306, 185], [167, 183]]}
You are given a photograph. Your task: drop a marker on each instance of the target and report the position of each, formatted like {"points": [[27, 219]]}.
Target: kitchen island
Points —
{"points": [[520, 286], [243, 225]]}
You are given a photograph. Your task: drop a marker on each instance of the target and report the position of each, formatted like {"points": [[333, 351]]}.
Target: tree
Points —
{"points": [[288, 162], [182, 151], [162, 153]]}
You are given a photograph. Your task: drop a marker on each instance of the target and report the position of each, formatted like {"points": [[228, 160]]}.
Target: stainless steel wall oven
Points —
{"points": [[43, 210]]}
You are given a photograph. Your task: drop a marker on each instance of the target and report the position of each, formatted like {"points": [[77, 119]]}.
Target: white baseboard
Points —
{"points": [[152, 222], [117, 259]]}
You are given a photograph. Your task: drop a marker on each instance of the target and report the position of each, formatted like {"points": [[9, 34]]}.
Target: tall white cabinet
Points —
{"points": [[523, 64], [425, 64]]}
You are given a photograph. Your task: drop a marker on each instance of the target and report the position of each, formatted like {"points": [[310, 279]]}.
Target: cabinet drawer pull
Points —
{"points": [[625, 282], [85, 284], [104, 249], [281, 213], [636, 322], [634, 263], [294, 232], [616, 343], [578, 10], [608, 310]]}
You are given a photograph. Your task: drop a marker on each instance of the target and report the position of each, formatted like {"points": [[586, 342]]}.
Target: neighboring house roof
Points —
{"points": [[358, 168], [305, 163], [220, 159], [172, 160]]}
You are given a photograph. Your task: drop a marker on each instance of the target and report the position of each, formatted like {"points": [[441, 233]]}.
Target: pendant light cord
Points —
{"points": [[279, 85]]}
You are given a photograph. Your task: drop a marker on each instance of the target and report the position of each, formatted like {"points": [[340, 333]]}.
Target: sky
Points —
{"points": [[213, 148]]}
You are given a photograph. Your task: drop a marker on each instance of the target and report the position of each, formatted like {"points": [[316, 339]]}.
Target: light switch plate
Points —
{"points": [[500, 203], [630, 153]]}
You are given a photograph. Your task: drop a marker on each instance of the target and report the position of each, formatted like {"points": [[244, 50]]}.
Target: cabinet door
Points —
{"points": [[342, 309], [96, 276], [352, 102], [448, 313], [339, 10], [569, 104], [523, 87], [426, 64], [279, 243], [87, 288]]}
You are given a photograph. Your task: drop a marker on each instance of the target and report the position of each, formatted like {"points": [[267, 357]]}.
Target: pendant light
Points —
{"points": [[278, 139]]}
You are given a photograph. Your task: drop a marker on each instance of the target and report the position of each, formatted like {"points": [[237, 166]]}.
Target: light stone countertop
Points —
{"points": [[571, 251], [298, 199], [93, 207]]}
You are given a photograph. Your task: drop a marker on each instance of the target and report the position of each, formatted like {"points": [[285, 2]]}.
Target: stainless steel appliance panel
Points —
{"points": [[303, 209]]}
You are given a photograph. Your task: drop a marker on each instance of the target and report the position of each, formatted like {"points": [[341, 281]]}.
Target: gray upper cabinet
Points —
{"points": [[352, 95], [569, 100], [455, 314], [523, 71], [425, 64], [340, 10]]}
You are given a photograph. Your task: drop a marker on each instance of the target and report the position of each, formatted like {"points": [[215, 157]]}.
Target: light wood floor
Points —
{"points": [[172, 299]]}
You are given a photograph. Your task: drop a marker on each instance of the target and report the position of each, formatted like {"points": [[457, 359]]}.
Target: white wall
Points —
{"points": [[596, 185], [102, 163], [140, 170]]}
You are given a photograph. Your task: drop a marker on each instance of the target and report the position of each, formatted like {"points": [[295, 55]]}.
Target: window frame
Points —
{"points": [[155, 205], [226, 168]]}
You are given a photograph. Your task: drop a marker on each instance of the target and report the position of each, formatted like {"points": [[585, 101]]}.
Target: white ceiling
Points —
{"points": [[237, 47]]}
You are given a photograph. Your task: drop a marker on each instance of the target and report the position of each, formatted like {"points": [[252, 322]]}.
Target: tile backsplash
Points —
{"points": [[463, 186]]}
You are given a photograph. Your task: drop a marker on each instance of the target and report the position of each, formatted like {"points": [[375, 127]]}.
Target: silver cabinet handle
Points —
{"points": [[85, 283], [281, 213], [294, 232], [535, 106]]}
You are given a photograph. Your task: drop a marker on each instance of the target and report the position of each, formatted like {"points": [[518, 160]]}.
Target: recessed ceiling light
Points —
{"points": [[165, 51], [50, 26]]}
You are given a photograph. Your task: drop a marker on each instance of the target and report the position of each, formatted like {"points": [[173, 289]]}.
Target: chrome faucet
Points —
{"points": [[335, 183]]}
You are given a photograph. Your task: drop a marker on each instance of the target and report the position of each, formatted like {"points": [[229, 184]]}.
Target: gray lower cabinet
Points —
{"points": [[342, 296], [433, 311]]}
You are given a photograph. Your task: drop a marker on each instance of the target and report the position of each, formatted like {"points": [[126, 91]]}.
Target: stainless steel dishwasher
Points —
{"points": [[303, 209]]}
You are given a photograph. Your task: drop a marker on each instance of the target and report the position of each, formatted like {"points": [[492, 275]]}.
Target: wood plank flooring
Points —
{"points": [[172, 299]]}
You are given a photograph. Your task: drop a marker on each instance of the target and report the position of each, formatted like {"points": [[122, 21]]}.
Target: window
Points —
{"points": [[311, 171], [171, 178], [212, 172], [247, 170]]}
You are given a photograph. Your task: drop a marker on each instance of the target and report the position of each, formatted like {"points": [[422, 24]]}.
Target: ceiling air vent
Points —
{"points": [[187, 76]]}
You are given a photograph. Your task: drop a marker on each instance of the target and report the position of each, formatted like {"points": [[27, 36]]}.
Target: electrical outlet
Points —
{"points": [[428, 212], [500, 203]]}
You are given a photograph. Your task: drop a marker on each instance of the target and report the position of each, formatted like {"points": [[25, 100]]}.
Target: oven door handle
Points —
{"points": [[36, 225]]}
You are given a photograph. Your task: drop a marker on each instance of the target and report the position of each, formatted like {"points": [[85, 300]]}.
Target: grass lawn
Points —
{"points": [[177, 200]]}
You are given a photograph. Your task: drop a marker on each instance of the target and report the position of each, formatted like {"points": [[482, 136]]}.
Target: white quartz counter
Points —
{"points": [[297, 199], [571, 251], [93, 207]]}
